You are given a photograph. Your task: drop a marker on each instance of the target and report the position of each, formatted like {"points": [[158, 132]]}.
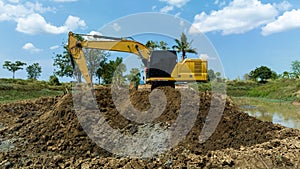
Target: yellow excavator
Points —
{"points": [[161, 66]]}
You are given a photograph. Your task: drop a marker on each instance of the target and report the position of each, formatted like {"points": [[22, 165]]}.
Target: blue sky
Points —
{"points": [[245, 33]]}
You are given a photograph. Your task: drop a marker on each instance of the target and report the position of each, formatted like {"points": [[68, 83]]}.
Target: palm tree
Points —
{"points": [[163, 45], [184, 46], [152, 44]]}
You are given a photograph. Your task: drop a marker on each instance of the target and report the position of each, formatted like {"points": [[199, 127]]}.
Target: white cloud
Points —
{"points": [[283, 6], [29, 20], [181, 23], [12, 12], [54, 47], [14, 1], [238, 17], [154, 7], [38, 7], [116, 27], [177, 3], [92, 37], [177, 14], [220, 3], [289, 20], [36, 24], [95, 33], [31, 48], [74, 22], [166, 9], [64, 0]]}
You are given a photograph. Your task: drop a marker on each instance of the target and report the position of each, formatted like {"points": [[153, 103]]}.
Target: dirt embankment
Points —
{"points": [[47, 133]]}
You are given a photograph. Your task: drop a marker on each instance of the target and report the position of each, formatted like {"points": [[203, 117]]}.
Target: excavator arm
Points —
{"points": [[104, 43]]}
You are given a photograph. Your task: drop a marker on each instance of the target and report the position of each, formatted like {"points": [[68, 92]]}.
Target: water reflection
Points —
{"points": [[283, 113]]}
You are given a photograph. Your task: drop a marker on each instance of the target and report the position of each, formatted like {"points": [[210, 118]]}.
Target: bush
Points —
{"points": [[53, 80]]}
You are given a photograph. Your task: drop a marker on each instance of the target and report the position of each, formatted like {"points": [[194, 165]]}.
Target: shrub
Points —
{"points": [[53, 80]]}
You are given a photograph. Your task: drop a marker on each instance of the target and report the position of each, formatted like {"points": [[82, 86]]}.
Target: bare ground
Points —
{"points": [[46, 133]]}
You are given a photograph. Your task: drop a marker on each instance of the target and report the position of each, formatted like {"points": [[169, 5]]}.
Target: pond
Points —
{"points": [[276, 111]]}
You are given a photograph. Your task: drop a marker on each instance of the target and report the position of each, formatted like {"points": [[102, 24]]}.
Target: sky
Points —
{"points": [[244, 34]]}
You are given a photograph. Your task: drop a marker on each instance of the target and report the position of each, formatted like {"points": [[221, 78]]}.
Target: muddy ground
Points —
{"points": [[46, 133]]}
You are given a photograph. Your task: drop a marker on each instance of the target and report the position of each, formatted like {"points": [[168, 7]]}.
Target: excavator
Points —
{"points": [[161, 66]]}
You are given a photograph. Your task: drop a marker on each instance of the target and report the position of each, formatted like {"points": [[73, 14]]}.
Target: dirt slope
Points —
{"points": [[47, 133]]}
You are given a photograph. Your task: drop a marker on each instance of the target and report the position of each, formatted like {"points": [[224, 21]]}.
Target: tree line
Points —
{"points": [[33, 71], [264, 73], [106, 70]]}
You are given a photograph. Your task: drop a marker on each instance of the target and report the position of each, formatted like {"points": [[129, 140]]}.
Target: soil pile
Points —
{"points": [[47, 133]]}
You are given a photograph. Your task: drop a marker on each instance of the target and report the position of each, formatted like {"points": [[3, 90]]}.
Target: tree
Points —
{"points": [[64, 66], [34, 71], [13, 67], [183, 46], [118, 68], [262, 74], [101, 70], [53, 80], [246, 77], [93, 58], [163, 45], [296, 68], [151, 44], [274, 75], [134, 76], [112, 71], [211, 75], [155, 45], [286, 75]]}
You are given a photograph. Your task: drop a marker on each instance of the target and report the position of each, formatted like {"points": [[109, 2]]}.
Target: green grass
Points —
{"points": [[15, 95], [282, 89], [18, 89]]}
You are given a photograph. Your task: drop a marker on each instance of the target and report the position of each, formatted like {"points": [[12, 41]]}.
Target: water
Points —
{"points": [[276, 118], [283, 113]]}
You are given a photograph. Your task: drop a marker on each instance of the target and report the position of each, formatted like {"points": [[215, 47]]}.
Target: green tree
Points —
{"points": [[64, 66], [119, 68], [261, 73], [152, 44], [134, 76], [34, 71], [211, 75], [112, 71], [286, 75], [296, 68], [53, 80], [101, 69], [163, 45], [13, 67], [274, 75], [183, 46], [94, 58]]}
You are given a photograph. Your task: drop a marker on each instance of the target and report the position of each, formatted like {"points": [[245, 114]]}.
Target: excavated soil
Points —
{"points": [[46, 133]]}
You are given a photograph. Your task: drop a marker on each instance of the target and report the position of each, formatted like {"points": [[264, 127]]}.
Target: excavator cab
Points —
{"points": [[161, 64]]}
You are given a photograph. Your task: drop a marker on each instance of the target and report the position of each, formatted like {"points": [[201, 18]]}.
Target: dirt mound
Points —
{"points": [[47, 132]]}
